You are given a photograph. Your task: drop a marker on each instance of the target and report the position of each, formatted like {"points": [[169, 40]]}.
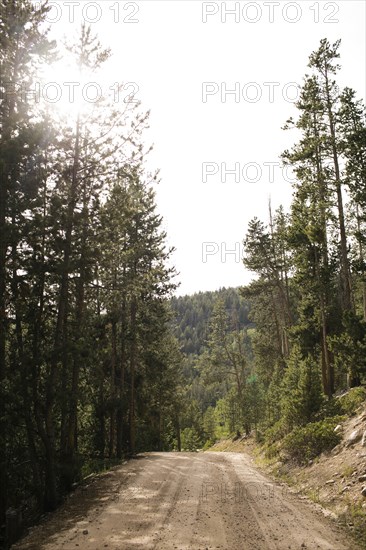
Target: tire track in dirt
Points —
{"points": [[186, 501]]}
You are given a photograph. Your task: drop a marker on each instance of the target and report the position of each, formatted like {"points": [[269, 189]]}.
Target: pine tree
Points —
{"points": [[268, 254], [324, 63], [352, 123], [301, 390], [22, 46]]}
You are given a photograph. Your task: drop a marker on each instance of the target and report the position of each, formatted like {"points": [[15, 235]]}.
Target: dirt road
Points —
{"points": [[186, 501]]}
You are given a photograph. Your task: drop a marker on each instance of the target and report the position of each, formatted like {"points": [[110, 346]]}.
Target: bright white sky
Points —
{"points": [[169, 53]]}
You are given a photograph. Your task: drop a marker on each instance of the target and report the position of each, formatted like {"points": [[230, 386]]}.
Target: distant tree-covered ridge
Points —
{"points": [[193, 314]]}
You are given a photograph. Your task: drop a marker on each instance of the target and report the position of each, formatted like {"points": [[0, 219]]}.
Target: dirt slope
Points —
{"points": [[186, 501], [337, 478]]}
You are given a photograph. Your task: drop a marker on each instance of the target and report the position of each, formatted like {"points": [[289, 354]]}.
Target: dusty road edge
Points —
{"points": [[351, 523]]}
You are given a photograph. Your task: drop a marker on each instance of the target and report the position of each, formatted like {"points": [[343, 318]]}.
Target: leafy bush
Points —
{"points": [[276, 432], [208, 445], [273, 437], [307, 442], [209, 424], [330, 407], [259, 436], [271, 450], [352, 400], [190, 440]]}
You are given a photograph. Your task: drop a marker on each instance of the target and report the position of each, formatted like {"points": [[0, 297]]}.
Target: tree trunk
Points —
{"points": [[345, 271], [22, 366], [72, 469], [61, 338], [121, 383], [179, 441], [327, 364], [360, 247], [133, 360], [8, 108], [112, 425], [3, 330], [101, 418], [327, 370]]}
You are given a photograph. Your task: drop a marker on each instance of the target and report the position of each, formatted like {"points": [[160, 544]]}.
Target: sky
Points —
{"points": [[220, 80]]}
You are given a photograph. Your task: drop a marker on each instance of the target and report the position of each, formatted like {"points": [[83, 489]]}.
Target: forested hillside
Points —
{"points": [[213, 330], [192, 316]]}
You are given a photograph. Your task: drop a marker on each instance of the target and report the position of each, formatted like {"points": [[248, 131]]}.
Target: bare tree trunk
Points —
{"points": [[345, 270], [278, 333], [72, 425], [8, 109], [161, 429], [36, 361], [177, 427], [112, 425], [327, 363], [3, 332], [327, 370], [121, 382], [101, 418], [360, 247], [60, 341], [133, 360]]}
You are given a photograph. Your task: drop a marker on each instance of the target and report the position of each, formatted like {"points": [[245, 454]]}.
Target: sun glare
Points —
{"points": [[65, 90]]}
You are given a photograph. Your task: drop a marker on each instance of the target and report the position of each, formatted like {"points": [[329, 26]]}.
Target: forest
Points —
{"points": [[88, 360], [99, 359], [192, 316], [276, 370]]}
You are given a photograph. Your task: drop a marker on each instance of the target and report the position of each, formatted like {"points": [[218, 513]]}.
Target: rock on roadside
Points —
{"points": [[353, 437]]}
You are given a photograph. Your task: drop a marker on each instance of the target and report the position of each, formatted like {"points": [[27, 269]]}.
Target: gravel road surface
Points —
{"points": [[186, 501]]}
